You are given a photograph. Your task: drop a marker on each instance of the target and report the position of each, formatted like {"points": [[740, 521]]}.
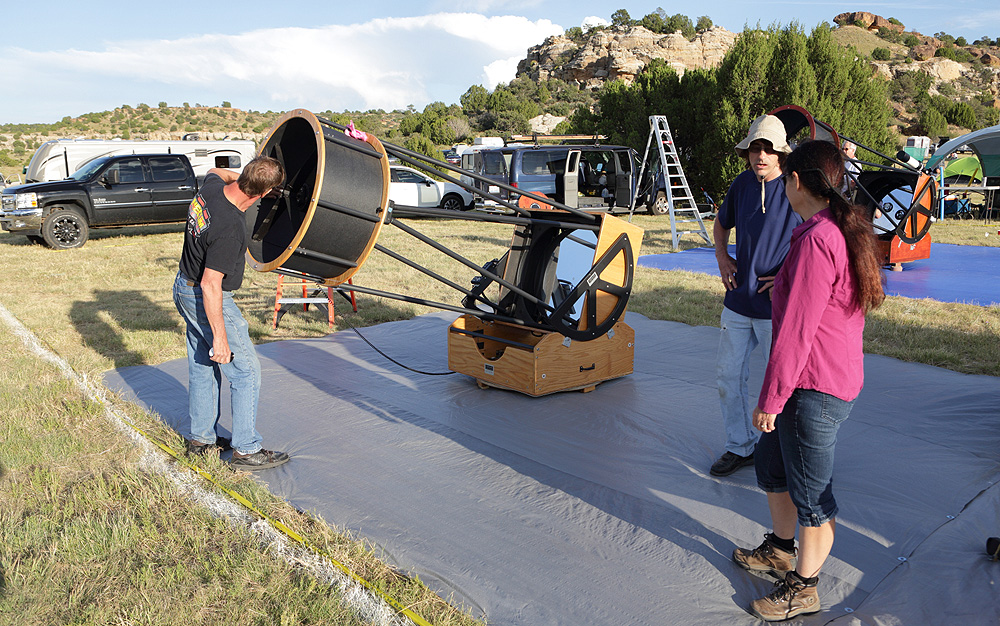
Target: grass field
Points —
{"points": [[92, 533]]}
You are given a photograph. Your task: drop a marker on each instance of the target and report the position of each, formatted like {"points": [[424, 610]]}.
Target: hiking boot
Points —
{"points": [[197, 448], [729, 463], [261, 459], [790, 597], [767, 558]]}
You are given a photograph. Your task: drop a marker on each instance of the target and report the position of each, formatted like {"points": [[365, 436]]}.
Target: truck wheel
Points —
{"points": [[64, 229], [659, 206], [452, 202]]}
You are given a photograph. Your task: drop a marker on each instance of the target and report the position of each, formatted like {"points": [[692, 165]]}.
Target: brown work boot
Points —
{"points": [[767, 558], [790, 597]]}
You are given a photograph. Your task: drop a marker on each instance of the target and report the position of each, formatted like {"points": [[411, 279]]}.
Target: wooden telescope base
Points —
{"points": [[537, 362], [895, 251]]}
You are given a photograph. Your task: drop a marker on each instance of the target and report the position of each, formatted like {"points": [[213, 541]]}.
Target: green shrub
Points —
{"points": [[961, 114], [933, 123], [881, 54]]}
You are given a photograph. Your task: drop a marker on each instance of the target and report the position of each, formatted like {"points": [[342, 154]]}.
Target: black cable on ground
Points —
{"points": [[416, 371]]}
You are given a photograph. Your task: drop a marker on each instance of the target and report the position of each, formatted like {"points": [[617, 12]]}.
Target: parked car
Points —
{"points": [[408, 187], [452, 157]]}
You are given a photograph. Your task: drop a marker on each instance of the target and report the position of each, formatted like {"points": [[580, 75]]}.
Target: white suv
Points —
{"points": [[408, 187]]}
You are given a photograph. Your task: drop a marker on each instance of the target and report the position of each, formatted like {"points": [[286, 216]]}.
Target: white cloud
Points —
{"points": [[383, 63], [592, 21], [500, 71]]}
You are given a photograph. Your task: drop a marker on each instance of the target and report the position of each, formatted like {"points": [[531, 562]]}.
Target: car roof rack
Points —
{"points": [[559, 139]]}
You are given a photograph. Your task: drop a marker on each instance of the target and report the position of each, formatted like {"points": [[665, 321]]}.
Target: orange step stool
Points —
{"points": [[316, 297]]}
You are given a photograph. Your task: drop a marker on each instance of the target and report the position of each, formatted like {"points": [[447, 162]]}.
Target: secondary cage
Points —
{"points": [[567, 271], [900, 198]]}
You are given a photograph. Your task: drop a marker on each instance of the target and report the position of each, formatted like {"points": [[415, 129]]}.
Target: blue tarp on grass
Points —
{"points": [[953, 273]]}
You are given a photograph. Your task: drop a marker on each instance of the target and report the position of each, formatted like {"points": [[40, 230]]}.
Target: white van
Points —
{"points": [[58, 158]]}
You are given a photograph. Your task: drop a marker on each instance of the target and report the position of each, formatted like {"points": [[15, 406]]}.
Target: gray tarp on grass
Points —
{"points": [[597, 508]]}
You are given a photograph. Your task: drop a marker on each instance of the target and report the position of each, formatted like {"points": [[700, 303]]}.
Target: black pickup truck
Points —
{"points": [[108, 192]]}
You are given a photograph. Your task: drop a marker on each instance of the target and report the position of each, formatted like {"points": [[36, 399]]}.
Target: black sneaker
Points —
{"points": [[197, 448], [729, 463], [261, 459]]}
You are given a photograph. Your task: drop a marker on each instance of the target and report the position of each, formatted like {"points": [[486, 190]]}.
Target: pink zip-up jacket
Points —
{"points": [[817, 323]]}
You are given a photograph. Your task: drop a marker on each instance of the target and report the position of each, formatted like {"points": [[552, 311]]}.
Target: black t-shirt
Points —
{"points": [[216, 236]]}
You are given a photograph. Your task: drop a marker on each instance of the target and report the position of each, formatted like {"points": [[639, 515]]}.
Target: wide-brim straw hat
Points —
{"points": [[770, 129]]}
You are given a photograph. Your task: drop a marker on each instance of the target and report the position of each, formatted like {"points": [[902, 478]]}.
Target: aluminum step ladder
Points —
{"points": [[685, 217]]}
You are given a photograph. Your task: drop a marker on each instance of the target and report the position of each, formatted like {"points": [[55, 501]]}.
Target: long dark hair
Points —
{"points": [[820, 167]]}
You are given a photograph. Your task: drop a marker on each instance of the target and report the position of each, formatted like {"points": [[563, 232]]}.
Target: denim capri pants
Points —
{"points": [[797, 456]]}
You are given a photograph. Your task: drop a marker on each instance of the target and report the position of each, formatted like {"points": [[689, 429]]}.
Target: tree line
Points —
{"points": [[710, 110]]}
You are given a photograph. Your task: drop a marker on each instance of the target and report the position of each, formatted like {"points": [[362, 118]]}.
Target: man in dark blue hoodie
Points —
{"points": [[757, 208]]}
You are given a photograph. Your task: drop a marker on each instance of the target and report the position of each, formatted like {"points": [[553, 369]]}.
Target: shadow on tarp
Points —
{"points": [[597, 508], [953, 273]]}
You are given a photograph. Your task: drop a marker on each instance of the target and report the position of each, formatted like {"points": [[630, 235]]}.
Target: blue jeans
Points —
{"points": [[205, 375], [797, 456], [740, 335]]}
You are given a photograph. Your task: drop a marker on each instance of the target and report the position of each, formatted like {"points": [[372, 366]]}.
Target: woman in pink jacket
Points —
{"points": [[830, 279]]}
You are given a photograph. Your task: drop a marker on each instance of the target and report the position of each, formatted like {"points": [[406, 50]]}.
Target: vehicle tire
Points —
{"points": [[659, 206], [452, 202], [65, 229]]}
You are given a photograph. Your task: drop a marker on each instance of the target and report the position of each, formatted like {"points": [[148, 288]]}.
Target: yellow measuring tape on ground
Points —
{"points": [[285, 530], [97, 394]]}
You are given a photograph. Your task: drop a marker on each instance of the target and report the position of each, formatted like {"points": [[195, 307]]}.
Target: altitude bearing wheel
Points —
{"points": [[918, 218]]}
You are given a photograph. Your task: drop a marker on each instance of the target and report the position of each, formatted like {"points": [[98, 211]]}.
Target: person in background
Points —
{"points": [[829, 281], [218, 341], [757, 208], [851, 168]]}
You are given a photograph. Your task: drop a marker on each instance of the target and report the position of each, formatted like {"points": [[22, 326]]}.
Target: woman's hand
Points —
{"points": [[762, 421]]}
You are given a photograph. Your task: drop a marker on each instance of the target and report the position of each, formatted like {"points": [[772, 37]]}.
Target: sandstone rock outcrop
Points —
{"points": [[868, 20], [612, 54], [545, 123]]}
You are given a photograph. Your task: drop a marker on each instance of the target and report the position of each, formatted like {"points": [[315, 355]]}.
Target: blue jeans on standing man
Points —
{"points": [[739, 336], [205, 375]]}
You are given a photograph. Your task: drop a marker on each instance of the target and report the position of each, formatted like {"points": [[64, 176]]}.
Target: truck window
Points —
{"points": [[129, 171], [167, 170]]}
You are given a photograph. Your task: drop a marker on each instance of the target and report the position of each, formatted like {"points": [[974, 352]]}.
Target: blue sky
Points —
{"points": [[63, 58]]}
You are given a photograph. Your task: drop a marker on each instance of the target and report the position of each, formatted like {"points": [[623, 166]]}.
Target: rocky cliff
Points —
{"points": [[611, 54]]}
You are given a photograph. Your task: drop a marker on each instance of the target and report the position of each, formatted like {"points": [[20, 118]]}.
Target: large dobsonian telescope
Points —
{"points": [[524, 325]]}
